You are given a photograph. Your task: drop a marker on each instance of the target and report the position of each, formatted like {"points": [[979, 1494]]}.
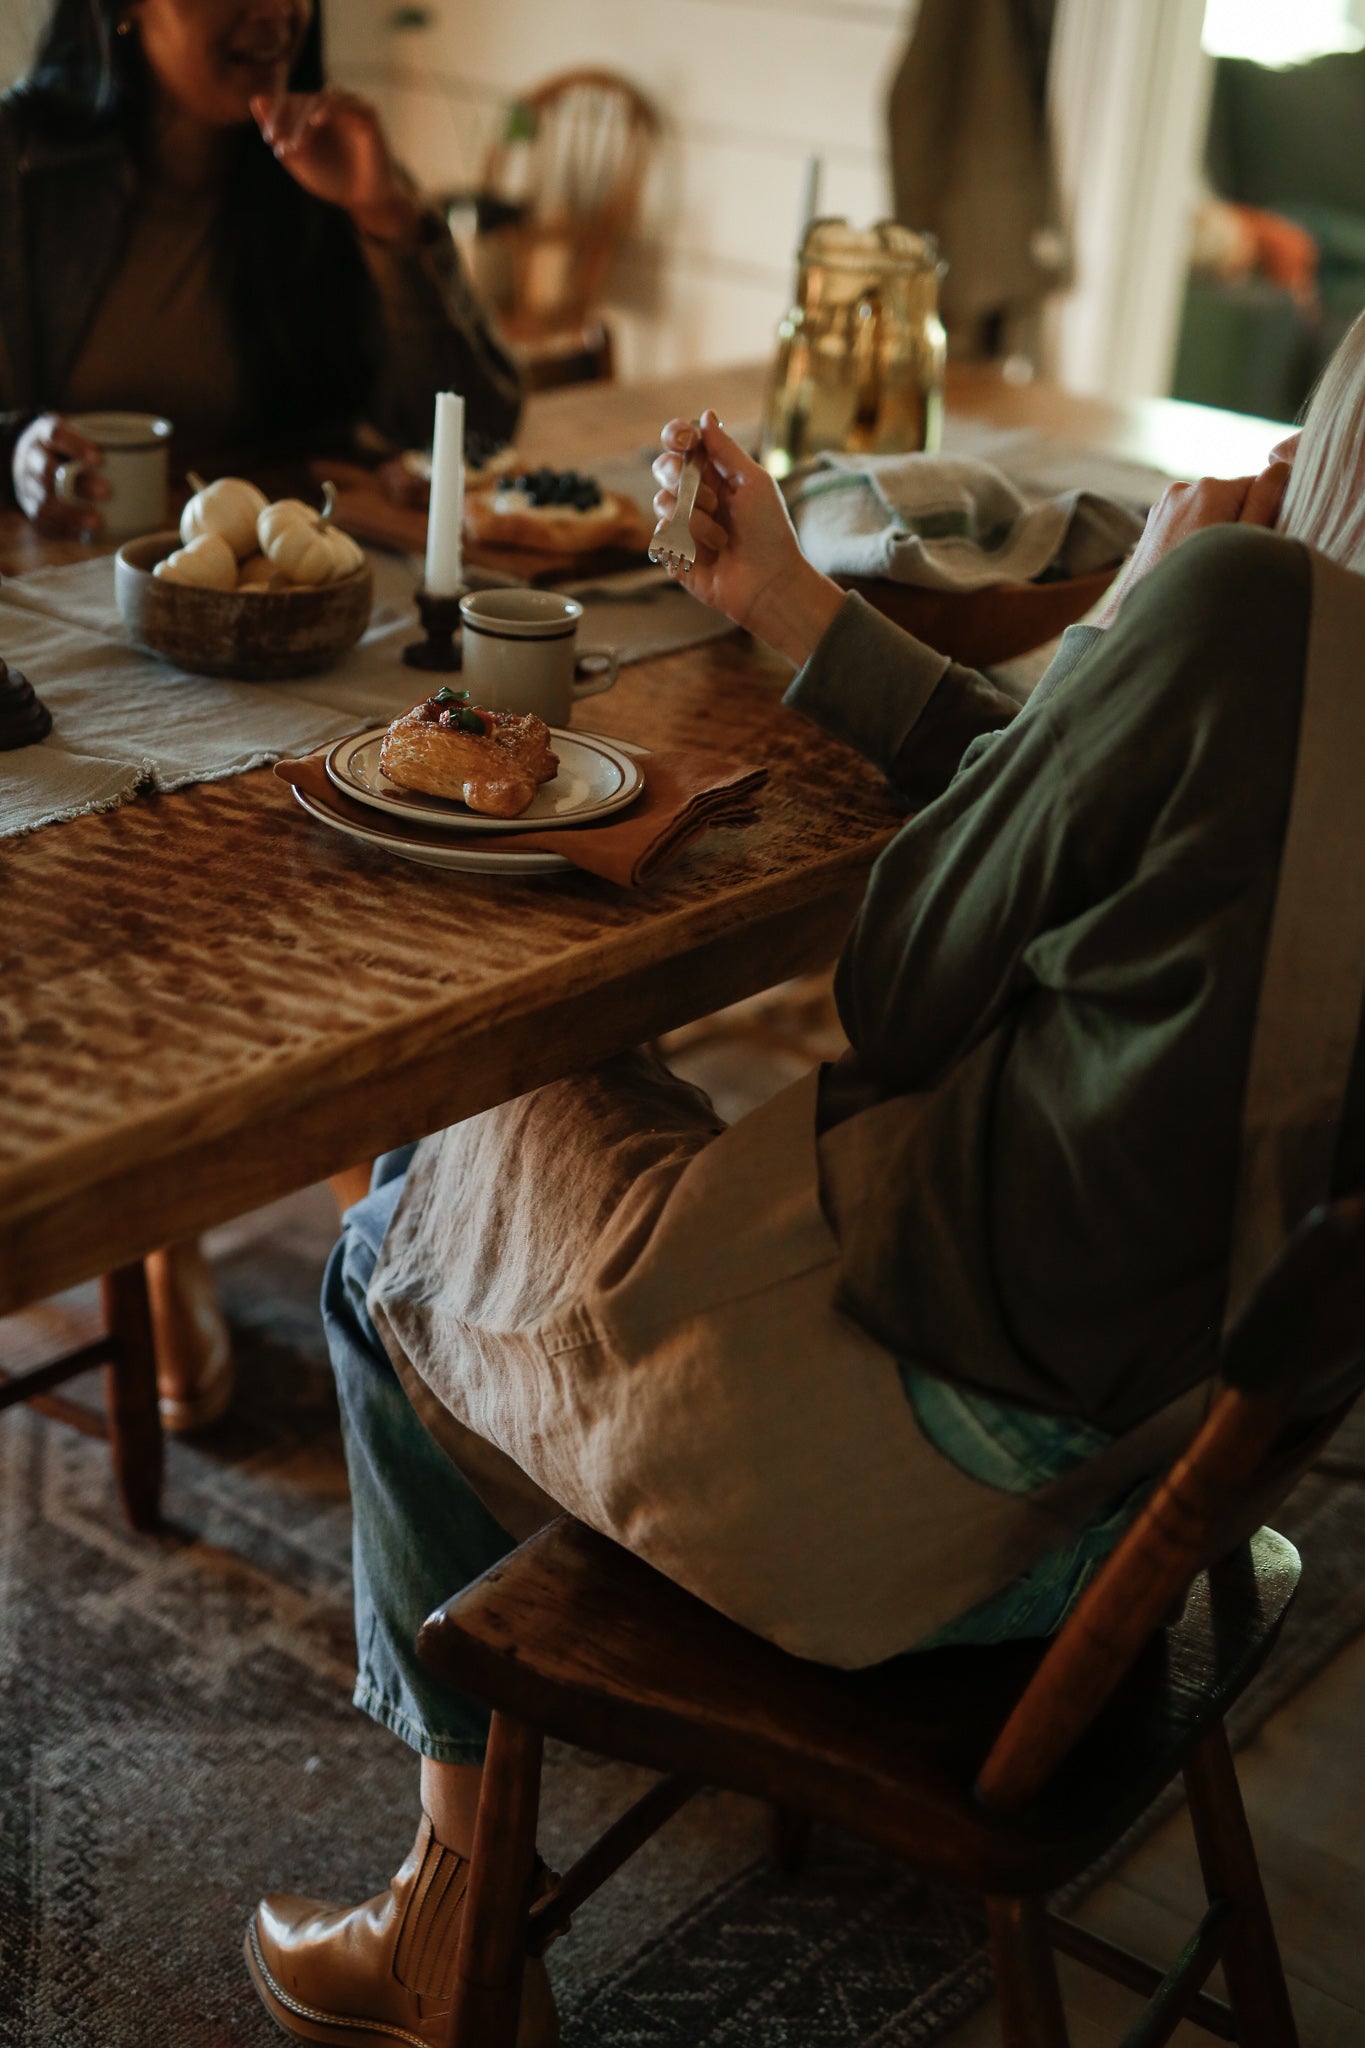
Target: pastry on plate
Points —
{"points": [[493, 761], [557, 511]]}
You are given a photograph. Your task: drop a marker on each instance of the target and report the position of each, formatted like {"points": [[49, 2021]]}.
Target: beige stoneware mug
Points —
{"points": [[521, 653], [135, 447]]}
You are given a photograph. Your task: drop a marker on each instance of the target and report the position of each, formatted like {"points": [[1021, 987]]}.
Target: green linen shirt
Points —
{"points": [[1054, 974]]}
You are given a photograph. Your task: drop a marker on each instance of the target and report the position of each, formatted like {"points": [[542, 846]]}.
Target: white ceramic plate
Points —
{"points": [[595, 778], [507, 861]]}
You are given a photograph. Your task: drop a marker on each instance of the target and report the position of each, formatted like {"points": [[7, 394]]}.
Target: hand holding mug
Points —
{"points": [[56, 477]]}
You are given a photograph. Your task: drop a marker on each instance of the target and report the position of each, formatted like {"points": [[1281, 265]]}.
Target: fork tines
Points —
{"points": [[673, 546]]}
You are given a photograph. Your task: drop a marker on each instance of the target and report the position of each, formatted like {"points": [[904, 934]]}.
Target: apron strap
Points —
{"points": [[1313, 984]]}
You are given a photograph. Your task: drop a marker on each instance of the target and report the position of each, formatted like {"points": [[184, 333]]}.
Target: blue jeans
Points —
{"points": [[421, 1533], [420, 1530]]}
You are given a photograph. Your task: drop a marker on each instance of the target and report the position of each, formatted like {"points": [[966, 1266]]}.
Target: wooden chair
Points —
{"points": [[574, 163], [1004, 1771], [132, 1414]]}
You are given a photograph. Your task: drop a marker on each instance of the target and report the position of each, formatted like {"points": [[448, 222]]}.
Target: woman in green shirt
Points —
{"points": [[889, 1361]]}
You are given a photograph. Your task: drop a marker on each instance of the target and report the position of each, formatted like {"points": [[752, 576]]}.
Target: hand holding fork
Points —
{"points": [[724, 532], [674, 546]]}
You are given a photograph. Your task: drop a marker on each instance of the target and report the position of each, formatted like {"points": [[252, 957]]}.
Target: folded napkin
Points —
{"points": [[949, 522], [686, 792]]}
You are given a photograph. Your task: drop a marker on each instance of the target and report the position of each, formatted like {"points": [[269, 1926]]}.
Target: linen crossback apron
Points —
{"points": [[599, 1300]]}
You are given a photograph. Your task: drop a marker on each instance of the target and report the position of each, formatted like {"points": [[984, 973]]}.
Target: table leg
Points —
{"points": [[130, 1396]]}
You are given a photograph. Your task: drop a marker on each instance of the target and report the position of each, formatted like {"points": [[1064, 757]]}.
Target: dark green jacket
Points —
{"points": [[65, 209], [1055, 973]]}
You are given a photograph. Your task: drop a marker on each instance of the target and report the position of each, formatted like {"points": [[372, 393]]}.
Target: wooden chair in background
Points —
{"points": [[1003, 1771], [132, 1416], [569, 167]]}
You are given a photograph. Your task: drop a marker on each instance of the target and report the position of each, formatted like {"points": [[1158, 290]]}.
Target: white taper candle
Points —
{"points": [[444, 574]]}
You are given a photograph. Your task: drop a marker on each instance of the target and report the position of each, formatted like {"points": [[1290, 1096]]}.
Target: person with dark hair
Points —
{"points": [[193, 223]]}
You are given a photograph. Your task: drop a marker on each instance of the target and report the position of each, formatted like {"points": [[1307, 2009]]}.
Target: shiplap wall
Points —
{"points": [[748, 90]]}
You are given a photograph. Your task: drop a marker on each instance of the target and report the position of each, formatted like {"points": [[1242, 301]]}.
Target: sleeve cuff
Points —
{"points": [[1077, 642], [867, 681]]}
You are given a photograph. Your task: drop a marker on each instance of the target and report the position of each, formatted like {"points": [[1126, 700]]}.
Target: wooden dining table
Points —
{"points": [[207, 1001]]}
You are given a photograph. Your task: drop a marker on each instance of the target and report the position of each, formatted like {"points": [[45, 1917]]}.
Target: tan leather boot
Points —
{"points": [[384, 1971]]}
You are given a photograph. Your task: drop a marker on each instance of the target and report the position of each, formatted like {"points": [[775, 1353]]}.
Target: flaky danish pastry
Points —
{"points": [[493, 761]]}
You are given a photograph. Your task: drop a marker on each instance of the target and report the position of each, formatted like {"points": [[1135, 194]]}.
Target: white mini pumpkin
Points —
{"points": [[207, 562], [303, 544], [258, 574], [230, 507]]}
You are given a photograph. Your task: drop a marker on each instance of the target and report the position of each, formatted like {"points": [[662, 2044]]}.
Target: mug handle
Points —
{"points": [[66, 482], [597, 680]]}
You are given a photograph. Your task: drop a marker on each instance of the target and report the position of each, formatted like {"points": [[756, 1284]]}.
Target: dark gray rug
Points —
{"points": [[177, 1739]]}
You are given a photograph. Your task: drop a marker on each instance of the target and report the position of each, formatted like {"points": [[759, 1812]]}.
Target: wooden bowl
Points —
{"points": [[256, 636], [980, 627]]}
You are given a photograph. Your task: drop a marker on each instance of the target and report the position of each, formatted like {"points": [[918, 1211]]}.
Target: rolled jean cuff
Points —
{"points": [[440, 1749]]}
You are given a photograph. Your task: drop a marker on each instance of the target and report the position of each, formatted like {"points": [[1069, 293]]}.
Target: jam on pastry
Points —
{"points": [[493, 761]]}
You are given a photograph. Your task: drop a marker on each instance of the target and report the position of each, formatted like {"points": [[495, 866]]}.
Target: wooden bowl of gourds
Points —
{"points": [[246, 588]]}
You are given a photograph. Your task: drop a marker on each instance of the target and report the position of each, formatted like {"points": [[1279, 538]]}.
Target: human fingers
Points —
{"points": [[294, 114], [730, 459], [1217, 500], [679, 435], [667, 470], [51, 457], [36, 489], [1286, 450], [703, 526], [65, 441], [1262, 503], [265, 112]]}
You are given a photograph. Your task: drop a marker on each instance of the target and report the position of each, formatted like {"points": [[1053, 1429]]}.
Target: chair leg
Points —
{"points": [[1026, 1984], [130, 1396], [1251, 1957], [492, 1953]]}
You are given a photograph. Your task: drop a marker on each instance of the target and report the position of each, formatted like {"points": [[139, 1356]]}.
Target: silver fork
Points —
{"points": [[673, 546]]}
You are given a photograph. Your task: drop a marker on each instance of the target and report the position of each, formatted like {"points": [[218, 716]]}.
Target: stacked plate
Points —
{"points": [[596, 777]]}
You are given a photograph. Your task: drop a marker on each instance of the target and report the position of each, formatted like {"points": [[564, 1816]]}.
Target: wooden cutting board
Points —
{"points": [[365, 510]]}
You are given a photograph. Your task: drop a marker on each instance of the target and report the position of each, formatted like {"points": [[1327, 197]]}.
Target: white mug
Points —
{"points": [[521, 653], [135, 467]]}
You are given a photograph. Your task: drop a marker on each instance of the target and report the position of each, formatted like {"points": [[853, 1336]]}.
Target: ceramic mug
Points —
{"points": [[521, 653], [135, 467]]}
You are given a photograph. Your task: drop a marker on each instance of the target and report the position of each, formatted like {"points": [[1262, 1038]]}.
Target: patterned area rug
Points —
{"points": [[177, 1739]]}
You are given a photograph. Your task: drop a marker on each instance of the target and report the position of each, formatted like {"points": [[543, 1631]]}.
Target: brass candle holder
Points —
{"points": [[440, 618]]}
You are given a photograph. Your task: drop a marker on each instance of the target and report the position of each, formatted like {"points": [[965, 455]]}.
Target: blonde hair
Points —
{"points": [[1325, 502]]}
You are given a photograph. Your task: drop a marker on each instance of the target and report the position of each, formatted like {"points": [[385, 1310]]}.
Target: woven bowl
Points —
{"points": [[257, 636]]}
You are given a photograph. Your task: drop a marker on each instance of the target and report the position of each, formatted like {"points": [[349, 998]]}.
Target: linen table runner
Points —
{"points": [[124, 721]]}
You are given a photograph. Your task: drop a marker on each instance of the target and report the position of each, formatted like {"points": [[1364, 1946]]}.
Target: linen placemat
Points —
{"points": [[124, 721], [686, 792]]}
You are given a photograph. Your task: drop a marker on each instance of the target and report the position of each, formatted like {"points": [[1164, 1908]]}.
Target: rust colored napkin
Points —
{"points": [[686, 791]]}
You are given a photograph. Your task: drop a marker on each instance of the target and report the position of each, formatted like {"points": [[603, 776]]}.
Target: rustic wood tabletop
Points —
{"points": [[207, 1001]]}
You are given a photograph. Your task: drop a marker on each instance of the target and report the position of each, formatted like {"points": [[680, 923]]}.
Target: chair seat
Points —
{"points": [[578, 1637]]}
